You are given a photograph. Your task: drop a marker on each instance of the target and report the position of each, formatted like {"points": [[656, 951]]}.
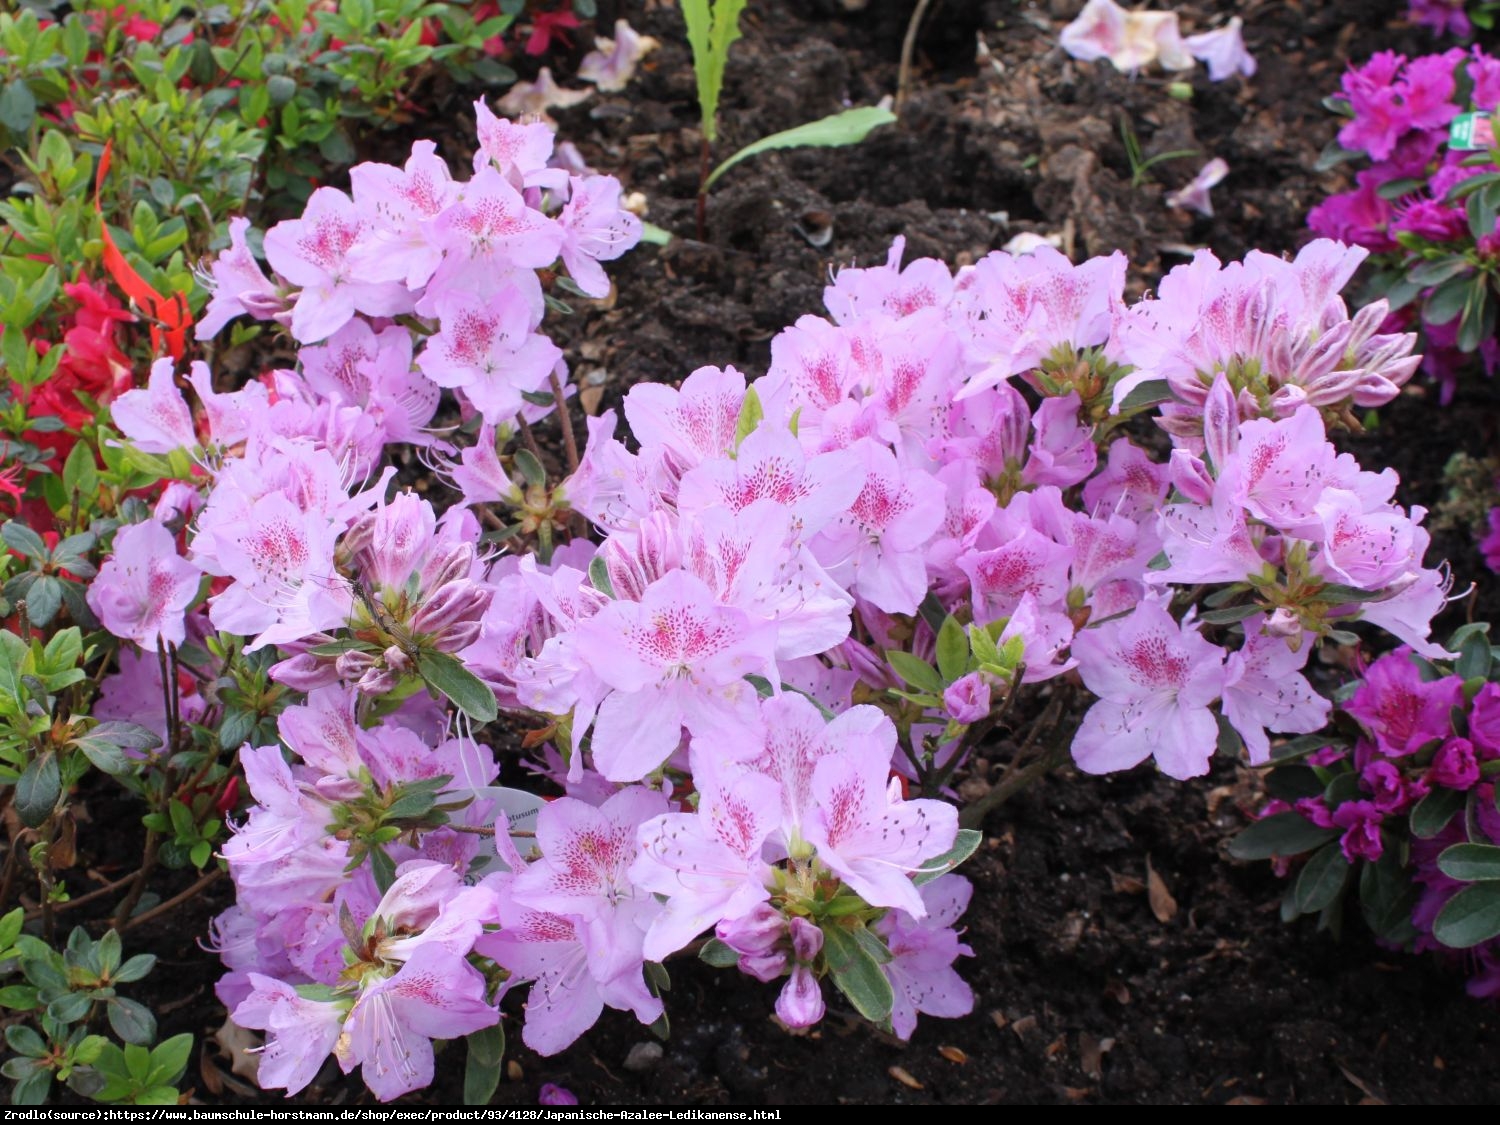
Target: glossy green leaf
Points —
{"points": [[857, 974], [1471, 863], [482, 1071], [1469, 917], [964, 845], [469, 693], [1285, 834], [1321, 879]]}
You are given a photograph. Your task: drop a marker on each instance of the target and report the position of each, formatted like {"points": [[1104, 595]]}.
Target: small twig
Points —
{"points": [[172, 903], [570, 443], [529, 438], [138, 886], [908, 49], [95, 894], [1017, 777]]}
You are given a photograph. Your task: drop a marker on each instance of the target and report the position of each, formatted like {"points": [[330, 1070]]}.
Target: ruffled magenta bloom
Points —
{"points": [[1403, 712]]}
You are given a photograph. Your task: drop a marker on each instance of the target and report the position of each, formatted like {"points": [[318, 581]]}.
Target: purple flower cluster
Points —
{"points": [[1422, 737], [1412, 206]]}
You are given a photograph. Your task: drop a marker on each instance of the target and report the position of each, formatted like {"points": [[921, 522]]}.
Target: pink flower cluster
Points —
{"points": [[1410, 205], [461, 255], [724, 670]]}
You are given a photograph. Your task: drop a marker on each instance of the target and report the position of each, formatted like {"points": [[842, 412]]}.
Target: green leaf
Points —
{"points": [[965, 844], [717, 954], [132, 1021], [952, 650], [857, 974], [382, 868], [1149, 393], [17, 106], [482, 1072], [1471, 863], [531, 468], [80, 474], [916, 672], [1434, 811], [21, 539], [1386, 897], [44, 599], [69, 1007], [24, 1041], [846, 128], [38, 789], [1285, 834], [32, 1088], [599, 576], [1230, 615], [1301, 746], [469, 693], [711, 29], [751, 413], [10, 928], [1293, 783], [1322, 879], [1469, 917], [1474, 658], [135, 968], [19, 997]]}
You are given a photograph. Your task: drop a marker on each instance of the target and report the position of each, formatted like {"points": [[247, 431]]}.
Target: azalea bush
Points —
{"points": [[1426, 198], [755, 647]]}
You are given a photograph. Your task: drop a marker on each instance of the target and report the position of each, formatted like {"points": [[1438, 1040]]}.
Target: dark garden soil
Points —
{"points": [[1095, 980]]}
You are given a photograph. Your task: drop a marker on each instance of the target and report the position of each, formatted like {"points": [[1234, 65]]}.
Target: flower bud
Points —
{"points": [[1190, 477], [807, 940], [801, 1001], [765, 968], [305, 672], [755, 933], [968, 699], [453, 602]]}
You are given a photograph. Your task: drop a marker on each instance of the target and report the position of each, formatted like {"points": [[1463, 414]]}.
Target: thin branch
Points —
{"points": [[908, 49], [570, 442], [172, 903]]}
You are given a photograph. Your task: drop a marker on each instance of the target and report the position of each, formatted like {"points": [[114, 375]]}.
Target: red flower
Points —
{"points": [[547, 26]]}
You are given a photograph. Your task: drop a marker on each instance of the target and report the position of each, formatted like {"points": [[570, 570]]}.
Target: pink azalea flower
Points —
{"points": [[1155, 680], [402, 200], [676, 658], [156, 419], [300, 1032], [142, 591], [238, 286], [865, 833], [875, 549], [534, 99], [1194, 196], [584, 872], [490, 239], [436, 994], [613, 61], [568, 990], [486, 349], [1401, 710], [1222, 51], [315, 253], [707, 864], [922, 954], [595, 228], [693, 422], [1264, 690]]}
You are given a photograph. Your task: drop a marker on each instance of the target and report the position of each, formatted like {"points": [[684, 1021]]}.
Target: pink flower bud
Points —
{"points": [[755, 933], [968, 699], [1190, 477], [801, 1001], [807, 940]]}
